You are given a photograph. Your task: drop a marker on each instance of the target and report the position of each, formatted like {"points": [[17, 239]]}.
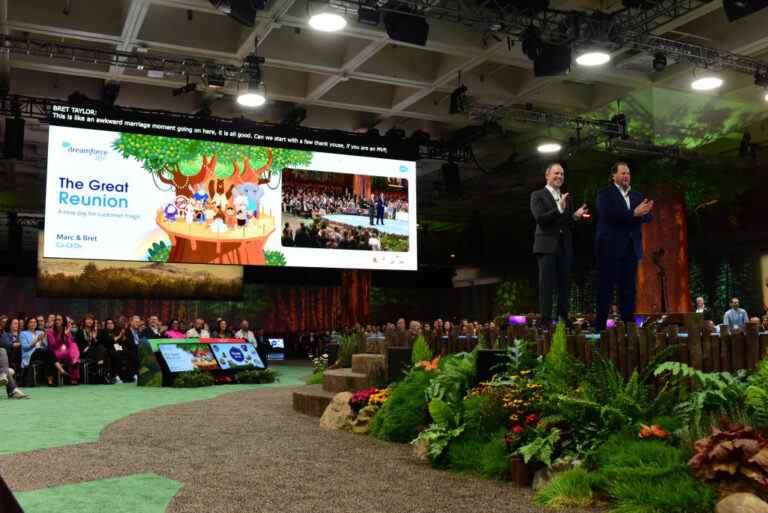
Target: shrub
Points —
{"points": [[420, 351], [573, 488], [485, 455], [316, 378], [256, 376], [402, 415], [193, 379], [349, 346]]}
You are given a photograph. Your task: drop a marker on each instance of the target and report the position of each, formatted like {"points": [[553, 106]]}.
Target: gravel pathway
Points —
{"points": [[250, 452]]}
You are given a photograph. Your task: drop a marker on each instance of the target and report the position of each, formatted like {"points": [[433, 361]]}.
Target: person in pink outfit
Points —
{"points": [[64, 347]]}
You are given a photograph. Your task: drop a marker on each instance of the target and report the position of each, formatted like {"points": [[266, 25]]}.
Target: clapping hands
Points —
{"points": [[581, 212], [644, 208]]}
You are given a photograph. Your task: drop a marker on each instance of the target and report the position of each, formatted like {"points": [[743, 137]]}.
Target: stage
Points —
{"points": [[390, 226]]}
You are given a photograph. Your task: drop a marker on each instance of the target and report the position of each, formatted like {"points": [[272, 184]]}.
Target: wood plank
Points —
{"points": [[621, 348], [738, 351], [693, 325], [763, 345], [706, 349], [725, 349], [752, 341], [632, 348], [643, 348]]}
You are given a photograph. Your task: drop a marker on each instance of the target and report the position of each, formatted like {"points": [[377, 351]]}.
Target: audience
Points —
{"points": [[62, 345], [34, 349], [174, 330], [9, 344], [198, 330], [736, 318], [222, 330]]}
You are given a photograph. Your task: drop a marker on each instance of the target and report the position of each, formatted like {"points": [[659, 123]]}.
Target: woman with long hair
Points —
{"points": [[174, 329], [34, 348], [222, 330], [64, 348], [87, 335]]}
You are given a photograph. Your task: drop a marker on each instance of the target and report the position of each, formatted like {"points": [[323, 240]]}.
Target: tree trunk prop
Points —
{"points": [[667, 231]]}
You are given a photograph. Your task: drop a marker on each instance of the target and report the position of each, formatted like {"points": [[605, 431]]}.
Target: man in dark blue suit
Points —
{"points": [[621, 213]]}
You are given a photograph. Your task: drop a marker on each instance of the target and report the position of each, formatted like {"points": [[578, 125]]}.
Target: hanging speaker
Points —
{"points": [[553, 60], [736, 9], [13, 142]]}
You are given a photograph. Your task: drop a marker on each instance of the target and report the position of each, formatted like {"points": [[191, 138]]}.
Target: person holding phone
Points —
{"points": [[554, 214], [621, 212], [34, 348], [64, 348]]}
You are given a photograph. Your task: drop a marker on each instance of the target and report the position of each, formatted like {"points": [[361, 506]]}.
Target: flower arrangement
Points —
{"points": [[379, 397], [652, 431], [429, 365], [359, 399], [320, 362]]}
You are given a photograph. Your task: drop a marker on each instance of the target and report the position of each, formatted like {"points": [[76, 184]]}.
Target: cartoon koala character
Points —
{"points": [[217, 193], [253, 193]]}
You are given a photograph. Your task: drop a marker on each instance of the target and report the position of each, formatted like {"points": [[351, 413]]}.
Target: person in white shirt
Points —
{"points": [[245, 333], [198, 330]]}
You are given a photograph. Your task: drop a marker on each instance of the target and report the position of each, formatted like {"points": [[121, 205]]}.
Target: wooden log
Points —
{"points": [[706, 349], [752, 341], [660, 341], [632, 348], [763, 345], [584, 352], [644, 336], [621, 348], [738, 351], [604, 344], [693, 325], [725, 349]]}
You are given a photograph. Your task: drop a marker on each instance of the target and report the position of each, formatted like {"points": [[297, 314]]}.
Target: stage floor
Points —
{"points": [[390, 226]]}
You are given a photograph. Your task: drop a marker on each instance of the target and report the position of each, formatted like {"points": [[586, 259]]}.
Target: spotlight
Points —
{"points": [[458, 100], [593, 57], [406, 26], [659, 61], [188, 88], [549, 147], [707, 83], [327, 21], [252, 95], [367, 15], [766, 97], [242, 11]]}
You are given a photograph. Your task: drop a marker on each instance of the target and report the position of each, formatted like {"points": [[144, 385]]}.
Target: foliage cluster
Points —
{"points": [[193, 379], [257, 376]]}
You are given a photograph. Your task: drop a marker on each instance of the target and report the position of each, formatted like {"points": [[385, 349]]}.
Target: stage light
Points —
{"points": [[765, 97], [327, 21], [593, 57], [243, 11], [458, 100], [214, 80], [707, 83], [549, 147], [407, 26], [253, 95], [659, 61]]}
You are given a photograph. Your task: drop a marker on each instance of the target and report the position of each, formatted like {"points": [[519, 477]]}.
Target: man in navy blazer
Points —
{"points": [[621, 213]]}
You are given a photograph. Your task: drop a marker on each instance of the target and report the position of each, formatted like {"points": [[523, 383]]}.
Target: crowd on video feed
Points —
{"points": [[320, 234], [56, 349], [318, 200]]}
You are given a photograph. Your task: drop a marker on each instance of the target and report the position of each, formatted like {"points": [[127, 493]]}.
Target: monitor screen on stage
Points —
{"points": [[277, 344], [188, 357], [234, 356], [129, 188]]}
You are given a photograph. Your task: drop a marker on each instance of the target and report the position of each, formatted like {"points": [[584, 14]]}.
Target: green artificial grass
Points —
{"points": [[69, 415], [142, 493], [572, 489]]}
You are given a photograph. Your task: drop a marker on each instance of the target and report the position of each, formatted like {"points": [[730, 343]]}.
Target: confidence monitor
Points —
{"points": [[140, 189]]}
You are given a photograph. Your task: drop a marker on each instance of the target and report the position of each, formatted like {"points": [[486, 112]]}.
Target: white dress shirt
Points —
{"points": [[555, 194], [625, 195]]}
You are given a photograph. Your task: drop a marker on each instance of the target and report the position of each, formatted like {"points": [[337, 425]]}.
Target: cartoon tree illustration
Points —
{"points": [[187, 164]]}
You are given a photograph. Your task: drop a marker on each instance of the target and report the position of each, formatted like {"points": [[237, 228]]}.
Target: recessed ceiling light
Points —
{"points": [[706, 83], [327, 22], [593, 58], [550, 147]]}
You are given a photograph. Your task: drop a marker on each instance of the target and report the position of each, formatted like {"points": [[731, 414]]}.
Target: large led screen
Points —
{"points": [[123, 195]]}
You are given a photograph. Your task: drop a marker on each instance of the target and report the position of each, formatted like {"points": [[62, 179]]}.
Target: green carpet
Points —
{"points": [[142, 493], [68, 415]]}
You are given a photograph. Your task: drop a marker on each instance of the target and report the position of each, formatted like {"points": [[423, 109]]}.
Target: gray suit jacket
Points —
{"points": [[550, 223]]}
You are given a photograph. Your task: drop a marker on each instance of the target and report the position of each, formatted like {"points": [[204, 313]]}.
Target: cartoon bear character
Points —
{"points": [[217, 192], [230, 217], [210, 211]]}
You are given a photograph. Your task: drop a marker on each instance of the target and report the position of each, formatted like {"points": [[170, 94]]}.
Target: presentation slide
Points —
{"points": [[127, 189], [188, 357], [277, 343], [234, 356]]}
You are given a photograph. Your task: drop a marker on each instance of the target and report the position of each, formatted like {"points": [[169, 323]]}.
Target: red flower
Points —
{"points": [[517, 429], [532, 419]]}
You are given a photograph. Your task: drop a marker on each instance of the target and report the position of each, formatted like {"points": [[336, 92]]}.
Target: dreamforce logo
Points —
{"points": [[93, 152]]}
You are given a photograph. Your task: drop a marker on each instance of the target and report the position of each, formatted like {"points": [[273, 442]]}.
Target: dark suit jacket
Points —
{"points": [[617, 224], [550, 223]]}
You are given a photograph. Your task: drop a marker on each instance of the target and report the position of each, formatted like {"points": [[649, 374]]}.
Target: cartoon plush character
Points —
{"points": [[181, 203], [199, 213], [170, 212], [210, 211], [189, 212], [230, 217], [201, 195], [241, 210], [253, 194], [218, 194]]}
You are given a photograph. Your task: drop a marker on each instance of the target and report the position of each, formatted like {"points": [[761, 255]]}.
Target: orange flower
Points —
{"points": [[429, 365], [653, 431]]}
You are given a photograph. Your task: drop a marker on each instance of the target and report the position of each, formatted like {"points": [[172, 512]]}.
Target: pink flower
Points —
{"points": [[532, 419], [517, 429]]}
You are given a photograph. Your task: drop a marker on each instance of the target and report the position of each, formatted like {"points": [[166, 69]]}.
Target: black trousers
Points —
{"points": [[617, 271], [554, 277]]}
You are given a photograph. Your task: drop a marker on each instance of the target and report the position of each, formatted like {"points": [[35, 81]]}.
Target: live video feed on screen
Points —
{"points": [[125, 195]]}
